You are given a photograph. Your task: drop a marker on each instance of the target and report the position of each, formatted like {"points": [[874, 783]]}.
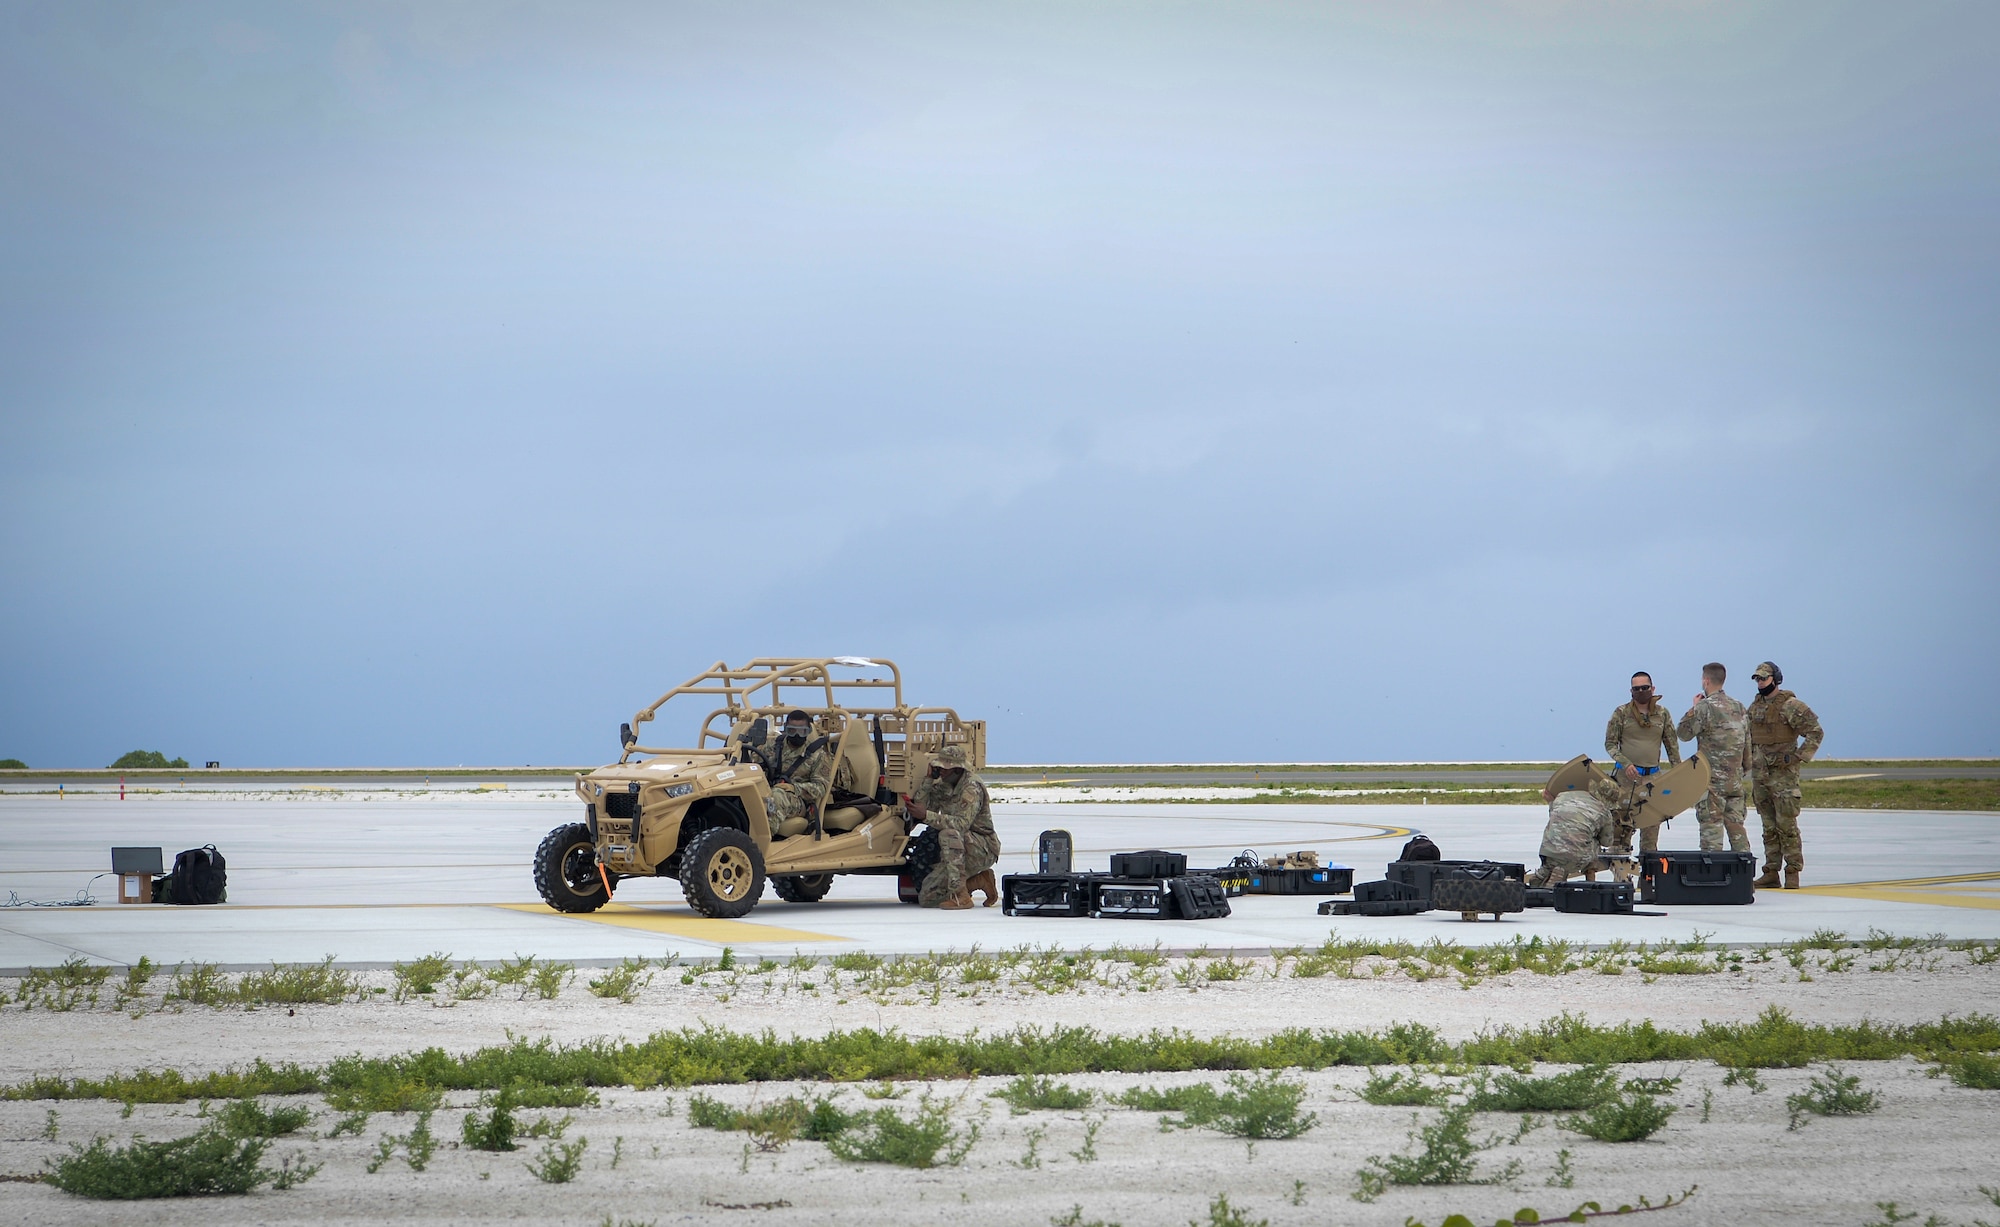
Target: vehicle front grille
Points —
{"points": [[621, 805]]}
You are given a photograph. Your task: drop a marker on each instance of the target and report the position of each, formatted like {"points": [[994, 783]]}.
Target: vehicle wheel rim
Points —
{"points": [[729, 874], [579, 870]]}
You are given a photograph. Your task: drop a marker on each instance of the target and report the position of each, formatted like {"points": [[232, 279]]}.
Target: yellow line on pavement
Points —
{"points": [[1907, 896], [680, 923]]}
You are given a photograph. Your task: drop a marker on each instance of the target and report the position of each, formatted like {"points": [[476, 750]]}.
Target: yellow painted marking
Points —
{"points": [[1859, 775], [682, 924], [490, 788], [1912, 890]]}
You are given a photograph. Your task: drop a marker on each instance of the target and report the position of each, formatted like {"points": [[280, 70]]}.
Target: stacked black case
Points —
{"points": [[1697, 878]]}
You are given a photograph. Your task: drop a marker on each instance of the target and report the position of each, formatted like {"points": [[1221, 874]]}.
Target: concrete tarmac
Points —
{"points": [[374, 877]]}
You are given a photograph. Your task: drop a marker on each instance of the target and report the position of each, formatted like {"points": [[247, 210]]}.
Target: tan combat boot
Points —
{"points": [[1791, 879], [1770, 877], [983, 883], [957, 903]]}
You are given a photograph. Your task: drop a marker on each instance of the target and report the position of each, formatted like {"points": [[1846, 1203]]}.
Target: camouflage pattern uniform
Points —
{"points": [[798, 779], [963, 817], [1634, 738], [1580, 825], [1777, 721], [1723, 726]]}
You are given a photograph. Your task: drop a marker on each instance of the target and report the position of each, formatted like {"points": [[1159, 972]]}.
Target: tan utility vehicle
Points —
{"points": [[698, 814]]}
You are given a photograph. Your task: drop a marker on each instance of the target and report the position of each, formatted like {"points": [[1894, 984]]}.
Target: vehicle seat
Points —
{"points": [[858, 769], [846, 818], [792, 826]]}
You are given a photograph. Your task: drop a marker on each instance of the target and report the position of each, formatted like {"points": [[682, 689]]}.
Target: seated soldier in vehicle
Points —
{"points": [[799, 768], [953, 801], [1580, 825]]}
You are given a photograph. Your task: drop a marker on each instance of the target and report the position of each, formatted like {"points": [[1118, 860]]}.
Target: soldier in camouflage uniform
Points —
{"points": [[1723, 727], [798, 766], [953, 800], [1784, 736], [1580, 825], [1634, 737]]}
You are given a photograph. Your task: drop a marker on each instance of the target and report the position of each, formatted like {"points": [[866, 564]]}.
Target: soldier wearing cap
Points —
{"points": [[798, 766], [954, 802], [1634, 737], [1784, 736], [1580, 825], [1723, 727]]}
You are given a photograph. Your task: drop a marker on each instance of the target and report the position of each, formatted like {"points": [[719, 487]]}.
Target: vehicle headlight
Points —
{"points": [[679, 790]]}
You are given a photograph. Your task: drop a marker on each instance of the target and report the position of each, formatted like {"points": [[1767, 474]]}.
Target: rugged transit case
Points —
{"points": [[1421, 874], [1384, 898], [1695, 878], [1538, 896], [1233, 878], [1151, 863], [1594, 898], [1473, 893], [1052, 851], [1191, 897], [1046, 894], [1326, 880]]}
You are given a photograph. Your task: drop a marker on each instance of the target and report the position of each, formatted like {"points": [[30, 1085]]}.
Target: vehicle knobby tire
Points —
{"points": [[722, 873], [802, 887], [566, 870], [920, 857]]}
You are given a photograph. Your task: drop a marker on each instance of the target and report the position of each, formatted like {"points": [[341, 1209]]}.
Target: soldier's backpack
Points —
{"points": [[200, 875], [1420, 849]]}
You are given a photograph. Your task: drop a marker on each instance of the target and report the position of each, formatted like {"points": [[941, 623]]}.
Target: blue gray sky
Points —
{"points": [[438, 383]]}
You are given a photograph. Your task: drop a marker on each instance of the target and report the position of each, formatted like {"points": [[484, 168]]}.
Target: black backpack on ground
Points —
{"points": [[200, 876], [1420, 849]]}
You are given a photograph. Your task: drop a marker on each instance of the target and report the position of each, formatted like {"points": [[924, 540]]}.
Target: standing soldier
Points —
{"points": [[953, 800], [1778, 720], [1580, 824], [1723, 727], [799, 767], [1634, 737]]}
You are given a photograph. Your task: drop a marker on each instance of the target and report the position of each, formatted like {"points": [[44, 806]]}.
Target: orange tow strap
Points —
{"points": [[605, 878]]}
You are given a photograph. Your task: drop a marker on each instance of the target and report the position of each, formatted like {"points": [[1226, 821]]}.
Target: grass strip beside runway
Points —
{"points": [[711, 1055]]}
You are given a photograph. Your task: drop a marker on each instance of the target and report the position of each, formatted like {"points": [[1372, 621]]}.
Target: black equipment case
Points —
{"points": [[1053, 852], [1192, 897], [1384, 898], [1326, 880], [1047, 894], [1420, 874], [1594, 898], [1696, 877], [1234, 877], [1199, 897], [1151, 863]]}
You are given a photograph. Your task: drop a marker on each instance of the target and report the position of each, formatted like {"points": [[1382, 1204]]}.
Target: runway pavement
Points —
{"points": [[372, 877]]}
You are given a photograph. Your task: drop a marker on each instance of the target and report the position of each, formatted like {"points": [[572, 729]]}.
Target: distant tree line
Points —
{"points": [[12, 764], [147, 758]]}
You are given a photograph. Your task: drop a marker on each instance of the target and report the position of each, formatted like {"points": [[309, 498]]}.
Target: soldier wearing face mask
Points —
{"points": [[1784, 736], [798, 766], [1634, 737]]}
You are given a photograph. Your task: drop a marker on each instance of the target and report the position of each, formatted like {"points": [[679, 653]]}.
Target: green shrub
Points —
{"points": [[1972, 1069], [62, 988], [1402, 1090], [494, 1131], [559, 1161], [816, 1119], [1631, 1117], [623, 981], [418, 1145], [1835, 1094], [419, 977], [1446, 1154], [1580, 1088], [1254, 1108], [298, 984], [246, 1118], [202, 1164], [199, 984], [1029, 1092], [885, 1136], [139, 760], [137, 977]]}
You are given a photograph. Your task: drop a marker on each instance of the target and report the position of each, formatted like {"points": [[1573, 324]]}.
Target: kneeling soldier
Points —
{"points": [[953, 800], [1580, 825]]}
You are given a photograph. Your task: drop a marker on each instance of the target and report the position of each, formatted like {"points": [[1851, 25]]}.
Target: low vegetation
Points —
{"points": [[1443, 1152], [1831, 1093], [225, 1156], [1254, 1108]]}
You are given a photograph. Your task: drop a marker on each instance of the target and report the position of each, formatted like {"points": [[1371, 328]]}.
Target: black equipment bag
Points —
{"points": [[1697, 877], [1151, 863], [1199, 897], [1594, 898], [921, 856], [1420, 849], [1046, 894], [1421, 874], [1384, 898], [1478, 892], [1538, 896], [200, 875], [1326, 880]]}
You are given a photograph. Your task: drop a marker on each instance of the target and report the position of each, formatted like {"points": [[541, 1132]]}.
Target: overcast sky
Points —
{"points": [[440, 383]]}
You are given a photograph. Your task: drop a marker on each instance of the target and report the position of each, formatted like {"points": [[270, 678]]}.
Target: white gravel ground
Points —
{"points": [[1929, 1147]]}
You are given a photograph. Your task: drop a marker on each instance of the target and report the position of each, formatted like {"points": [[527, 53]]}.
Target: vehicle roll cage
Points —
{"points": [[758, 689]]}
